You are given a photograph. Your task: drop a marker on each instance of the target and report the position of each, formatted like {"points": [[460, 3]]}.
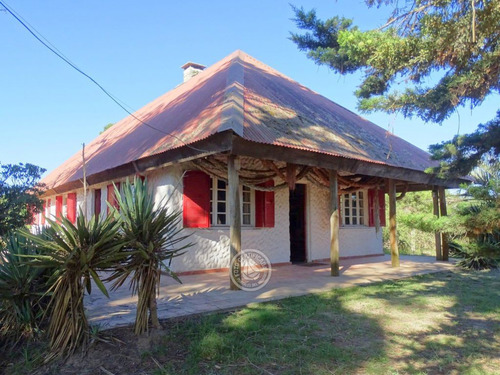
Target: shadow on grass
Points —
{"points": [[305, 335], [464, 339]]}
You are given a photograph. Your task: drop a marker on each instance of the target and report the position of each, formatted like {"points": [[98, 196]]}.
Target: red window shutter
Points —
{"points": [[371, 207], [196, 200], [264, 207], [44, 206], [49, 202], [97, 202], [71, 207], [59, 206], [381, 199], [112, 196]]}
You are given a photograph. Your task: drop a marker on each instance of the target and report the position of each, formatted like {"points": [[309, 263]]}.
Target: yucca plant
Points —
{"points": [[153, 235], [22, 291], [76, 252]]}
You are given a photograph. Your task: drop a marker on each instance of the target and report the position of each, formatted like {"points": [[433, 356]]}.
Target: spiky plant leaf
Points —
{"points": [[154, 238], [76, 252], [22, 289]]}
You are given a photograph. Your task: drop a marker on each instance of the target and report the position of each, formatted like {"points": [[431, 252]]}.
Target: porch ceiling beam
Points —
{"points": [[218, 143], [290, 155], [334, 224]]}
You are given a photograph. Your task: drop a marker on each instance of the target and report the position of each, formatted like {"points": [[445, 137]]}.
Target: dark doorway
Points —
{"points": [[298, 224]]}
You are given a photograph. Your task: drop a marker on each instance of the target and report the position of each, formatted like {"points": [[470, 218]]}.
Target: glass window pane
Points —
{"points": [[221, 184], [221, 207], [221, 219], [221, 195], [246, 208], [361, 221], [246, 196], [360, 194], [354, 212], [347, 221], [346, 202], [346, 212], [354, 202], [354, 221], [246, 219]]}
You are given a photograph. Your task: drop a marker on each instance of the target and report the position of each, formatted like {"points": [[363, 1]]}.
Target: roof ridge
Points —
{"points": [[232, 115]]}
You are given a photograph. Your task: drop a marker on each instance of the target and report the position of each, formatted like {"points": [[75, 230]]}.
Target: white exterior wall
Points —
{"points": [[353, 240], [211, 249]]}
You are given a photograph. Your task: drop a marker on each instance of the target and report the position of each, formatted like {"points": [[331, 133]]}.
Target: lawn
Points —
{"points": [[443, 323]]}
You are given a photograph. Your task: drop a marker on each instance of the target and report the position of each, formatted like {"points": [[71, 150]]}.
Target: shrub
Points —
{"points": [[75, 253], [23, 291], [152, 235]]}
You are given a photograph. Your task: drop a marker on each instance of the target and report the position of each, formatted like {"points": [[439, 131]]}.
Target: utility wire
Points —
{"points": [[55, 51]]}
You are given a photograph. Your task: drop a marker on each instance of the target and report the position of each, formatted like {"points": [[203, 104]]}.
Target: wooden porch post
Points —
{"points": [[334, 224], [437, 234], [234, 222], [391, 188], [444, 236]]}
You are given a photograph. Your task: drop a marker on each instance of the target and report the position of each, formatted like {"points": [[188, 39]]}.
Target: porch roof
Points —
{"points": [[250, 101]]}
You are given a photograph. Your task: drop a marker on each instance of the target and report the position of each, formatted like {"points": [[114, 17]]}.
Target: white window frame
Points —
{"points": [[214, 205], [347, 219]]}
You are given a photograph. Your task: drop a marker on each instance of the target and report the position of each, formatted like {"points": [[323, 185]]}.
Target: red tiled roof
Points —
{"points": [[255, 101]]}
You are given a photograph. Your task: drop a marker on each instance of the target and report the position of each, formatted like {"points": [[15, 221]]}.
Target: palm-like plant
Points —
{"points": [[76, 252], [22, 288], [153, 236]]}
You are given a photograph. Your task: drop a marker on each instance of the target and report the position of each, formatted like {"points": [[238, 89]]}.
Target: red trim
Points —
{"points": [[371, 207], [44, 205], [97, 202], [196, 200], [264, 207], [59, 206], [112, 196], [71, 207]]}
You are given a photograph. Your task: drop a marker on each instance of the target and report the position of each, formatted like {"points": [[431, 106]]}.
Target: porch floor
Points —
{"points": [[210, 292]]}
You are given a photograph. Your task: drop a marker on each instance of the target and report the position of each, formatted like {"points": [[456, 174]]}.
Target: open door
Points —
{"points": [[298, 224]]}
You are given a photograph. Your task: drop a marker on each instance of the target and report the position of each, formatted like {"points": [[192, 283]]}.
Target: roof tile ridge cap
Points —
{"points": [[232, 114]]}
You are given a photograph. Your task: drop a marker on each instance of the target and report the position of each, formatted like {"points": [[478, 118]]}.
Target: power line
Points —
{"points": [[38, 36]]}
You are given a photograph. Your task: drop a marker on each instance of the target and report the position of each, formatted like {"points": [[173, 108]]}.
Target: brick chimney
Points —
{"points": [[191, 69]]}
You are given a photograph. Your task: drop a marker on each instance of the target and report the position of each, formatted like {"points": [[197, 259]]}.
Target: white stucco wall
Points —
{"points": [[353, 240], [211, 245], [211, 249]]}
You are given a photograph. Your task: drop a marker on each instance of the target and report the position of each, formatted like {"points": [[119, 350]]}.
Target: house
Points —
{"points": [[284, 149]]}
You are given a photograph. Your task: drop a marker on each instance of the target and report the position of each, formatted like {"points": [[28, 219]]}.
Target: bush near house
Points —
{"points": [[152, 237]]}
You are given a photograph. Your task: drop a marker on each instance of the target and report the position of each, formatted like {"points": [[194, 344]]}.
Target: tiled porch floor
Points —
{"points": [[210, 292]]}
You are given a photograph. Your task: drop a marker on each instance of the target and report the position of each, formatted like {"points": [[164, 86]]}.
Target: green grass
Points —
{"points": [[446, 323]]}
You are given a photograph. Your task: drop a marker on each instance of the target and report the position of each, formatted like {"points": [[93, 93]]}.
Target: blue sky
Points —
{"points": [[135, 50]]}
